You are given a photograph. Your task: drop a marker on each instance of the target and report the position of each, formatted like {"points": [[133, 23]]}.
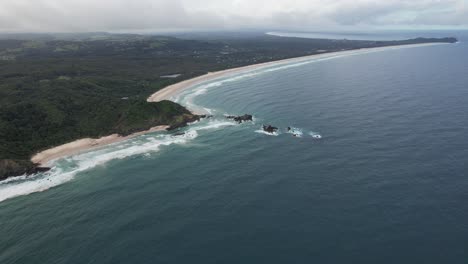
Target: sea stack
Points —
{"points": [[270, 129], [241, 119]]}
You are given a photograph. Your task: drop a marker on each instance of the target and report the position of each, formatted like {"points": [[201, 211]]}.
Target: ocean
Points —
{"points": [[386, 183]]}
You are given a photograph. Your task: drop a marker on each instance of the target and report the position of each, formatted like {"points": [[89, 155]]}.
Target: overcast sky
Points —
{"points": [[168, 15]]}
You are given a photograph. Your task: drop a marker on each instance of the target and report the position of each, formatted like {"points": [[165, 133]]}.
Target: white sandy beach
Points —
{"points": [[172, 91], [45, 158]]}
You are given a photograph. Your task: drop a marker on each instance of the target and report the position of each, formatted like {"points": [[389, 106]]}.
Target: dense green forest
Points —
{"points": [[55, 88]]}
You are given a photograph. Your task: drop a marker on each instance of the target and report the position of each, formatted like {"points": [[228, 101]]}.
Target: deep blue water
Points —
{"points": [[387, 183]]}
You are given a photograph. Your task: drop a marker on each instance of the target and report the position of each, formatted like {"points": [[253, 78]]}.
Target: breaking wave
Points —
{"points": [[315, 135], [297, 132], [67, 169], [261, 131], [188, 96]]}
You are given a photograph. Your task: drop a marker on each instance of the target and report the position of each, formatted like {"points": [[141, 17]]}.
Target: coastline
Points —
{"points": [[46, 157], [170, 91]]}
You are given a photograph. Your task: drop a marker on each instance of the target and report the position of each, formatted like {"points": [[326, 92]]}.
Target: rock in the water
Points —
{"points": [[11, 168], [179, 134], [240, 119], [184, 120], [270, 129]]}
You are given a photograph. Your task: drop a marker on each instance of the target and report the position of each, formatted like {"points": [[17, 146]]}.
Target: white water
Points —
{"points": [[67, 169], [187, 97], [315, 135], [261, 131], [297, 132]]}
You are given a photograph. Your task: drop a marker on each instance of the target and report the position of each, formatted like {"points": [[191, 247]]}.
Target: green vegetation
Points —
{"points": [[59, 88]]}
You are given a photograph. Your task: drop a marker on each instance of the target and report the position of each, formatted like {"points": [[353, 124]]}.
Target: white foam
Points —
{"points": [[187, 97], [66, 169], [13, 179], [315, 135], [261, 131], [208, 110], [297, 132], [216, 125]]}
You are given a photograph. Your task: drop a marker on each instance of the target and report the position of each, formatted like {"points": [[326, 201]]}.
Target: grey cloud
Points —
{"points": [[157, 15], [46, 15], [351, 14], [428, 12]]}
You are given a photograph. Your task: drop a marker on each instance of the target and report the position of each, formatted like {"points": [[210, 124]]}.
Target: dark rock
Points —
{"points": [[183, 121], [241, 119], [205, 116], [41, 169], [270, 129], [11, 168]]}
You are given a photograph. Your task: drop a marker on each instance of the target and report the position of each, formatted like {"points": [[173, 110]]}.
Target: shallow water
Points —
{"points": [[386, 183]]}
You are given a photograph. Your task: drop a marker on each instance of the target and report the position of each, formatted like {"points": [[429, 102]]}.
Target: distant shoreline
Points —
{"points": [[173, 90], [44, 158]]}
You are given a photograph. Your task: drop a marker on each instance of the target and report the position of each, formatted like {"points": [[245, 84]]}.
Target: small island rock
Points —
{"points": [[240, 119], [270, 129]]}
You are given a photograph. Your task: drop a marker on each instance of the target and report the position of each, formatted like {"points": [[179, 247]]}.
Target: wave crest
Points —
{"points": [[67, 169]]}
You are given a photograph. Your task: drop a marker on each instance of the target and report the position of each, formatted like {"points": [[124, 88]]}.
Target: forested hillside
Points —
{"points": [[59, 88]]}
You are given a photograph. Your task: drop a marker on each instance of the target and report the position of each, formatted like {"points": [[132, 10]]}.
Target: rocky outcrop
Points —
{"points": [[205, 116], [184, 120], [10, 168], [270, 129], [240, 119]]}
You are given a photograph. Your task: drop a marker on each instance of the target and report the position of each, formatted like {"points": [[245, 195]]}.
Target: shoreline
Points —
{"points": [[170, 91], [45, 158]]}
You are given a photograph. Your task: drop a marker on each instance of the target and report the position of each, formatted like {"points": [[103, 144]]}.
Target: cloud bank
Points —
{"points": [[169, 15]]}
